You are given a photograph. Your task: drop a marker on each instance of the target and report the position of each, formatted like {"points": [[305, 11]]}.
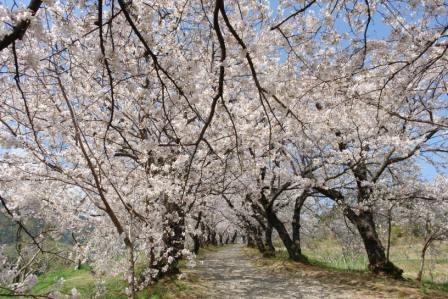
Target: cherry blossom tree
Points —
{"points": [[144, 119]]}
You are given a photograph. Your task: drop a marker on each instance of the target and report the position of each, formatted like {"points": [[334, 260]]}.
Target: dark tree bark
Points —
{"points": [[389, 232], [235, 235], [365, 225], [300, 200], [422, 259], [196, 238], [213, 239], [378, 262], [430, 236], [258, 237], [294, 252], [196, 244], [174, 237], [269, 246], [250, 241], [292, 244], [19, 29]]}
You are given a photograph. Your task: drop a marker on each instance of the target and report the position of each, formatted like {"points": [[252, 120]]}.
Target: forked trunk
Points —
{"points": [[294, 251]]}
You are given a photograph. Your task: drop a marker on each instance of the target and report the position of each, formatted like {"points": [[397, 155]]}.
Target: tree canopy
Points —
{"points": [[134, 124]]}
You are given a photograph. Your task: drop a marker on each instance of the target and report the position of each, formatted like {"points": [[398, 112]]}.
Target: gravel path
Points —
{"points": [[230, 273]]}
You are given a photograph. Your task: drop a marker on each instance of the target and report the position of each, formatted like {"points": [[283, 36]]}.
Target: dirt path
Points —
{"points": [[232, 273]]}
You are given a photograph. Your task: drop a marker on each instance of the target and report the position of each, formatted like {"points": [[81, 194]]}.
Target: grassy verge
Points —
{"points": [[83, 280], [90, 285], [113, 287], [173, 288], [349, 274], [429, 285], [405, 253]]}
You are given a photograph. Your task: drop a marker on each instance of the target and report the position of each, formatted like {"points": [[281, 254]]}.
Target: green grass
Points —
{"points": [[82, 279], [330, 260], [327, 253], [167, 288], [435, 286], [405, 253], [338, 264], [87, 284], [333, 273], [327, 260]]}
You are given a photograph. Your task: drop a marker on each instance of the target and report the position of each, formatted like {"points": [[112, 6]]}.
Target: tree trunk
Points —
{"points": [[195, 237], [300, 200], [196, 244], [250, 241], [294, 252], [270, 249], [258, 238], [260, 245], [131, 273], [389, 232], [378, 262], [213, 239], [174, 237], [235, 235], [422, 257]]}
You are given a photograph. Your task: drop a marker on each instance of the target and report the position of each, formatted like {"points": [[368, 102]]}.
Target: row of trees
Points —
{"points": [[136, 124]]}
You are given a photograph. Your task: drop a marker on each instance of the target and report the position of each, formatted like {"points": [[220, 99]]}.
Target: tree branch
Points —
{"points": [[19, 30]]}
